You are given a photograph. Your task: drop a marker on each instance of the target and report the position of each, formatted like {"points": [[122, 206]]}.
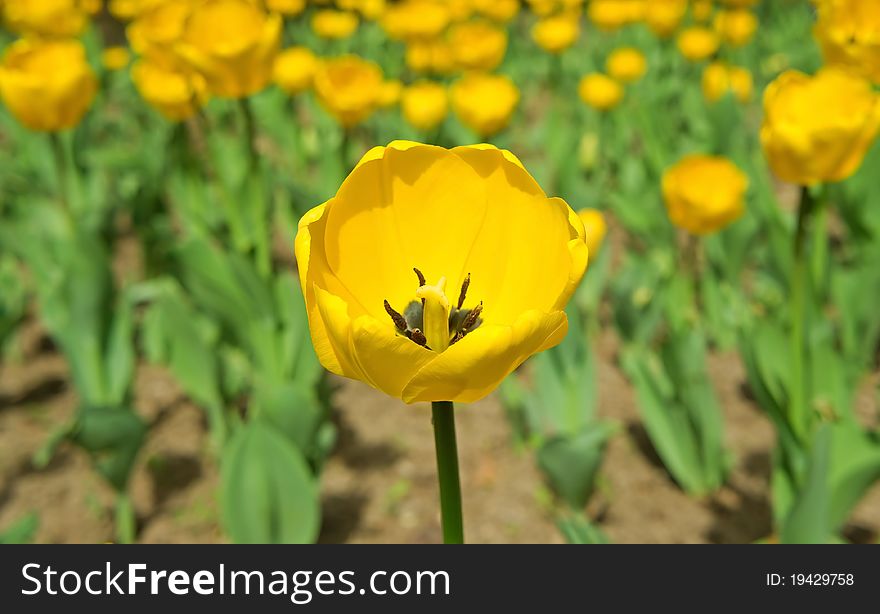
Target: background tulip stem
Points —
{"points": [[799, 278], [61, 170], [443, 418]]}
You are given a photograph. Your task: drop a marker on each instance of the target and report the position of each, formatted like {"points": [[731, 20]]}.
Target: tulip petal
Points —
{"points": [[473, 367], [522, 259], [423, 208], [387, 359], [337, 354]]}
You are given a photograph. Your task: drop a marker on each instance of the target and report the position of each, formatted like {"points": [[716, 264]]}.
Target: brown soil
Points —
{"points": [[379, 485]]}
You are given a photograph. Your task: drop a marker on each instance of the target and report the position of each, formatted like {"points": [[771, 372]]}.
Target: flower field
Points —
{"points": [[565, 271]]}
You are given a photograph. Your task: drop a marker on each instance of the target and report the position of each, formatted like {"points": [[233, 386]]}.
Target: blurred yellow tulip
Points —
{"points": [[501, 11], [415, 19], [600, 91], [614, 14], [288, 8], [232, 44], [720, 78], [626, 64], [295, 69], [849, 33], [349, 88], [60, 18], [485, 103], [703, 194], [818, 129], [664, 16], [736, 27], [47, 84], [595, 229], [556, 34], [177, 95], [425, 104], [698, 44], [332, 24], [389, 94], [115, 58], [702, 10], [477, 45]]}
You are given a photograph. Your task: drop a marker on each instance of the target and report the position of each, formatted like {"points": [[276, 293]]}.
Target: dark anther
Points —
{"points": [[458, 337], [419, 338], [420, 276], [399, 320], [464, 288], [472, 317]]}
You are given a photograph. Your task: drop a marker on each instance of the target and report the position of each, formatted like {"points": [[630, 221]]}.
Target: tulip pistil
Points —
{"points": [[431, 321]]}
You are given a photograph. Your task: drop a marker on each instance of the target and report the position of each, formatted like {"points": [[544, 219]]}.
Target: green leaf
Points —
{"points": [[113, 436], [22, 531], [579, 530], [571, 463], [855, 467], [268, 494], [808, 522]]}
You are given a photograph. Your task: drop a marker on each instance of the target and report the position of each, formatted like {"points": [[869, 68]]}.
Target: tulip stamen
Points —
{"points": [[418, 337], [464, 288], [421, 277], [399, 320], [447, 324]]}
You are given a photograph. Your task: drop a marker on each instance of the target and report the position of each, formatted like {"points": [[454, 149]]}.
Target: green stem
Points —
{"points": [[443, 418], [125, 520], [61, 171], [820, 242], [256, 192], [799, 395]]}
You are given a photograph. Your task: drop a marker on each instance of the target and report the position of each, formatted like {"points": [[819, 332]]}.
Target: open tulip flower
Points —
{"points": [[433, 273]]}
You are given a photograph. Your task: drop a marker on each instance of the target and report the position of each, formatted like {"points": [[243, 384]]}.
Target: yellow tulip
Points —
{"points": [[371, 9], [698, 44], [430, 56], [818, 129], [626, 64], [701, 10], [425, 104], [600, 91], [288, 8], [334, 24], [45, 17], [295, 69], [501, 11], [849, 33], [496, 261], [704, 194], [157, 30], [485, 103], [613, 14], [176, 94], [595, 229], [415, 19], [115, 58], [664, 16], [736, 27], [349, 88], [477, 45], [556, 34], [127, 10], [232, 44], [720, 78], [389, 93], [47, 85]]}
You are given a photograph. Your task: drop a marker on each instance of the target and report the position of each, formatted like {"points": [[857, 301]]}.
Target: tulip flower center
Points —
{"points": [[432, 321]]}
